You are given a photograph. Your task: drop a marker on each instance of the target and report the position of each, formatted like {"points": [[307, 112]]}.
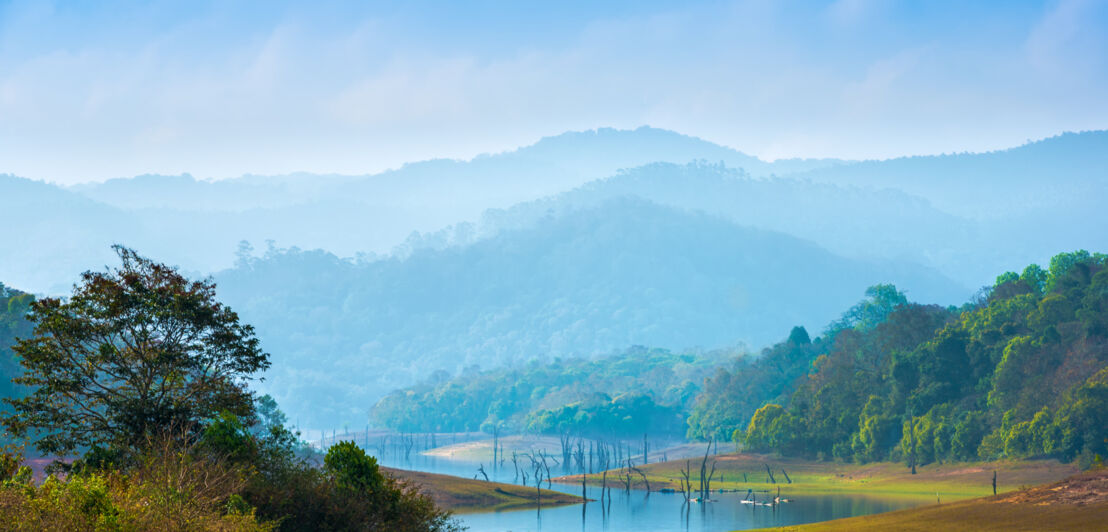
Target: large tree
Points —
{"points": [[133, 351]]}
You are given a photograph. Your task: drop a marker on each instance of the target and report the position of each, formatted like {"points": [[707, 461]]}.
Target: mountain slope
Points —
{"points": [[1054, 175], [582, 282]]}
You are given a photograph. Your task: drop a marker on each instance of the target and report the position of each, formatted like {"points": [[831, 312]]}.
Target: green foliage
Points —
{"points": [[14, 307], [352, 468], [730, 397], [771, 428], [881, 300], [145, 372], [131, 352], [348, 493], [627, 415], [1022, 374], [652, 390], [227, 436]]}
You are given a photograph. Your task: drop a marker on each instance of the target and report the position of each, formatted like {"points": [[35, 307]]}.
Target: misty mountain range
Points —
{"points": [[579, 244]]}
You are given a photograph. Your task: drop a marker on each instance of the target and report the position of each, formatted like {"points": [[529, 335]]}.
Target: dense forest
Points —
{"points": [[1020, 372], [622, 395]]}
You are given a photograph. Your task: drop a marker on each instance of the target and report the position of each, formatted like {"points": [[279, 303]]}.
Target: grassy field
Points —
{"points": [[1077, 503], [463, 495], [948, 482]]}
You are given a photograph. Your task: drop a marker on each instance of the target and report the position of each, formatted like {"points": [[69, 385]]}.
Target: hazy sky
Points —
{"points": [[93, 90]]}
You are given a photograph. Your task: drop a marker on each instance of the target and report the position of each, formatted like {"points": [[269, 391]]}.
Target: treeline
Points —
{"points": [[624, 395], [1019, 373]]}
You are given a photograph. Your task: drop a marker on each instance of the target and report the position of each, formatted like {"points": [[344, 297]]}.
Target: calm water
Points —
{"points": [[642, 511]]}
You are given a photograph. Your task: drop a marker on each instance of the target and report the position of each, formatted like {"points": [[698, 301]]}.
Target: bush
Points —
{"points": [[171, 491]]}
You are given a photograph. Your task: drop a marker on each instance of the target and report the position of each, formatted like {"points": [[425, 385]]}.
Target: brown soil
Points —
{"points": [[1079, 490]]}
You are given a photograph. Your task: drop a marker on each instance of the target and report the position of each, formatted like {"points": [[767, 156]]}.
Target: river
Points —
{"points": [[639, 510]]}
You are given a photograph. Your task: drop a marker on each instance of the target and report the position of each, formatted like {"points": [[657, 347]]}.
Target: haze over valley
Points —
{"points": [[596, 241]]}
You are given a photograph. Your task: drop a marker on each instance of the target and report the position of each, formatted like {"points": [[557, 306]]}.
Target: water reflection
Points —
{"points": [[638, 510]]}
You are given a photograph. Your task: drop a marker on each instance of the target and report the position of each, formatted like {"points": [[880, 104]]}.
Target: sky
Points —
{"points": [[96, 90]]}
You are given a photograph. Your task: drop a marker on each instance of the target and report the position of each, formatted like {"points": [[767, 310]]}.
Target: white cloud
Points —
{"points": [[295, 93]]}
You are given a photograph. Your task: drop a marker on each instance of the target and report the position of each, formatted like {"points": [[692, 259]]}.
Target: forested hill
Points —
{"points": [[584, 282], [623, 395], [849, 221], [1022, 373]]}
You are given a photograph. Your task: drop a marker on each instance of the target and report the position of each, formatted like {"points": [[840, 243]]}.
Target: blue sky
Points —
{"points": [[94, 90]]}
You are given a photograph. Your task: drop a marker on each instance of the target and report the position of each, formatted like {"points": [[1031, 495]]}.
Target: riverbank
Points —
{"points": [[463, 495], [1079, 502], [947, 482]]}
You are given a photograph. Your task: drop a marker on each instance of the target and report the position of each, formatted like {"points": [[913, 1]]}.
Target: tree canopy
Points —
{"points": [[133, 350], [1020, 373]]}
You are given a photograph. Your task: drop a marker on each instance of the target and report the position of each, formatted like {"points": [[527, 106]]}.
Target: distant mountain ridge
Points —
{"points": [[1061, 172], [551, 165], [947, 212]]}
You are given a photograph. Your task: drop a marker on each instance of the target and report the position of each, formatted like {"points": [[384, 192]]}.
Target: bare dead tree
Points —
{"points": [[481, 470], [603, 486], [787, 479], [769, 472], [708, 482], [495, 441], [567, 447], [686, 487], [704, 466], [644, 479], [538, 482], [542, 454]]}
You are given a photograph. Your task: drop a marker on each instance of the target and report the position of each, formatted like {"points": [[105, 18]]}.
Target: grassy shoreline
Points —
{"points": [[464, 495], [949, 482], [1079, 502]]}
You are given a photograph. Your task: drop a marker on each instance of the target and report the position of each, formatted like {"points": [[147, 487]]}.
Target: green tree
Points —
{"points": [[771, 428], [134, 350], [352, 468]]}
